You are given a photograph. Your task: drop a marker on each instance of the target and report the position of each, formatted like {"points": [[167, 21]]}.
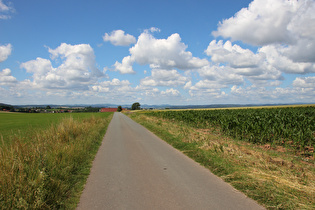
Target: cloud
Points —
{"points": [[109, 86], [304, 82], [299, 93], [164, 53], [267, 63], [167, 53], [234, 55], [275, 56], [5, 51], [152, 30], [77, 70], [287, 24], [6, 79], [161, 77], [125, 67], [284, 31], [119, 38], [263, 22], [221, 75], [6, 10], [170, 92]]}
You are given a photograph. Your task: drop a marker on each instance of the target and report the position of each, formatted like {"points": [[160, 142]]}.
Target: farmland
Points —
{"points": [[45, 158], [268, 154], [24, 124], [280, 126]]}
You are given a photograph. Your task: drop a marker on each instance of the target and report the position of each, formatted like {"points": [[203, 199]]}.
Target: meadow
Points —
{"points": [[24, 124], [45, 159], [268, 154]]}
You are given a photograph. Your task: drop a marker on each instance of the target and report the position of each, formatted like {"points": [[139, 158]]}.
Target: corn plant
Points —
{"points": [[294, 125]]}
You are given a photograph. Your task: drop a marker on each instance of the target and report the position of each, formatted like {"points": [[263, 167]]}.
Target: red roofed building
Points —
{"points": [[108, 109]]}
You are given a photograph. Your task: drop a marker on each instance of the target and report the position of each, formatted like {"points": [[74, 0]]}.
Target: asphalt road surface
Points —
{"points": [[134, 169]]}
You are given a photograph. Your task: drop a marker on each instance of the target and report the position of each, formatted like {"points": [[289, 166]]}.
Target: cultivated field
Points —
{"points": [[45, 158], [293, 126], [266, 153]]}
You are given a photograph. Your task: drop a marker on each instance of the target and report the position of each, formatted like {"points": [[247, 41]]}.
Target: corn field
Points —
{"points": [[292, 126]]}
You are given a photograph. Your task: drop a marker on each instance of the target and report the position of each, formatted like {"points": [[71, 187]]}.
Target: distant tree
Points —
{"points": [[135, 106], [48, 107], [119, 109]]}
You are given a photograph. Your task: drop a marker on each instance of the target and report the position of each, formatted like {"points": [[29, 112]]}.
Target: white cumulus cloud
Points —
{"points": [[164, 53], [5, 51], [119, 38], [288, 25], [77, 70], [234, 55], [170, 92], [304, 82], [263, 22], [111, 86], [161, 77], [125, 67], [6, 79], [167, 53], [275, 56]]}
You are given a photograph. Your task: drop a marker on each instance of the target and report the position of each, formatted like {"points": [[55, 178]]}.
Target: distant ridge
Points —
{"points": [[146, 106]]}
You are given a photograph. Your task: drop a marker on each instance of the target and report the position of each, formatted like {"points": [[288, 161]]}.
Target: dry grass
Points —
{"points": [[47, 170], [276, 177]]}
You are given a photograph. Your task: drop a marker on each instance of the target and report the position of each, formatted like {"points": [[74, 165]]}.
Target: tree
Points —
{"points": [[119, 109], [48, 107], [135, 106]]}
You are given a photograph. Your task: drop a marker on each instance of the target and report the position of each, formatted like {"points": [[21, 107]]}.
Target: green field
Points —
{"points": [[293, 126], [24, 124], [45, 159]]}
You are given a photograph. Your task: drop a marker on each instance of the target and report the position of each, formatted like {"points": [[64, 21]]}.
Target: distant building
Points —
{"points": [[108, 109]]}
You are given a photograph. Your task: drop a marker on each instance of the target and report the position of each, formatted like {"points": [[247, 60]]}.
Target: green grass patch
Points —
{"points": [[47, 168], [25, 124]]}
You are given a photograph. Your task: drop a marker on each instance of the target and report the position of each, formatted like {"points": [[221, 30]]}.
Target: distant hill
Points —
{"points": [[145, 106], [2, 104], [5, 107]]}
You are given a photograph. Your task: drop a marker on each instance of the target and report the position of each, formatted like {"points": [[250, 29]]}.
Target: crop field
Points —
{"points": [[266, 153], [24, 124], [293, 126], [45, 159]]}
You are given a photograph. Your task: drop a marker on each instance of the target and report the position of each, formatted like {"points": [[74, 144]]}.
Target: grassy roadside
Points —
{"points": [[48, 168], [274, 177]]}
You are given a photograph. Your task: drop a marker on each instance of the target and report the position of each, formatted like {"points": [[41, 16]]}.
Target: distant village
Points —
{"points": [[61, 109]]}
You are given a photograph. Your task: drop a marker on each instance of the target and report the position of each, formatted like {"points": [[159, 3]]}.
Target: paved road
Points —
{"points": [[134, 169]]}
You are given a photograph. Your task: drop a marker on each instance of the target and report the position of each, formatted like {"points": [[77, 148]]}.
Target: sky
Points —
{"points": [[177, 52]]}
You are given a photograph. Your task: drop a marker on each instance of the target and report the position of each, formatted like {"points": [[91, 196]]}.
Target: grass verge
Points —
{"points": [[48, 169], [275, 178]]}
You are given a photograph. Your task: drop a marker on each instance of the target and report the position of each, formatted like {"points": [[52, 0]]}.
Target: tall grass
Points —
{"points": [[48, 168]]}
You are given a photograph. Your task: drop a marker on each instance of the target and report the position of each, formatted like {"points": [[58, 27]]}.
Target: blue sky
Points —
{"points": [[157, 52]]}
